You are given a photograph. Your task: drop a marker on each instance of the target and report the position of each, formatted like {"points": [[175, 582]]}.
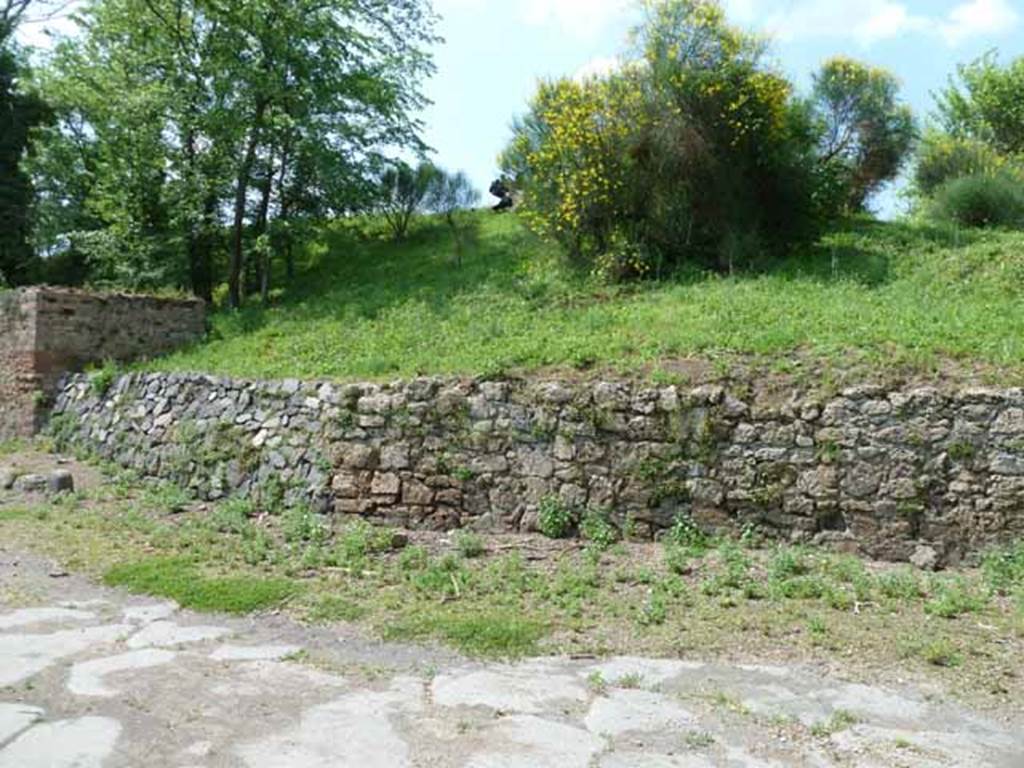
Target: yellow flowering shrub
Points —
{"points": [[692, 147]]}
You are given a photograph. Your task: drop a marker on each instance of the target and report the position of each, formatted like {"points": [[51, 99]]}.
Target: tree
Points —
{"points": [[693, 151], [983, 102], [20, 112], [452, 195], [403, 193], [198, 117], [867, 135]]}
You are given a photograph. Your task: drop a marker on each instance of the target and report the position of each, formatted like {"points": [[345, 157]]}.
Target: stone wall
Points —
{"points": [[18, 379], [881, 472], [46, 332]]}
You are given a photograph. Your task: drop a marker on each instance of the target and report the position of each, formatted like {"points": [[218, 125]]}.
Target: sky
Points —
{"points": [[495, 51]]}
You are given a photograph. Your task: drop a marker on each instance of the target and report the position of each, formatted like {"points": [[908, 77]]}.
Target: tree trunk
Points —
{"points": [[200, 257], [263, 266], [241, 193]]}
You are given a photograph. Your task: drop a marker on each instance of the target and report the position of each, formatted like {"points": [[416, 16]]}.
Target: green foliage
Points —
{"points": [[22, 111], [331, 608], [953, 597], [686, 533], [470, 545], [403, 192], [983, 102], [903, 584], [597, 528], [492, 634], [1004, 569], [694, 152], [301, 525], [233, 516], [867, 134], [180, 580], [103, 378], [841, 720], [981, 201], [942, 158], [194, 139], [555, 519], [942, 653]]}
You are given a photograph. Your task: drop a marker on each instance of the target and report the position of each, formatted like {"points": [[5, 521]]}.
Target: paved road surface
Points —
{"points": [[93, 678]]}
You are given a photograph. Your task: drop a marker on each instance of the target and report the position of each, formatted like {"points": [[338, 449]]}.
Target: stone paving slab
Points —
{"points": [[94, 678]]}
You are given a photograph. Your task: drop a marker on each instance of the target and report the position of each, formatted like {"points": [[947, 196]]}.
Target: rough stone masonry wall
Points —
{"points": [[46, 332], [876, 471], [18, 379]]}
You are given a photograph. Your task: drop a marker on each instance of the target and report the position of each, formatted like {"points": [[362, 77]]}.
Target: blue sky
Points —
{"points": [[496, 50]]}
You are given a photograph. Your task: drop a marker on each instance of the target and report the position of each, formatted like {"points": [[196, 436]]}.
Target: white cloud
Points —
{"points": [[977, 18], [867, 22], [598, 67], [872, 21]]}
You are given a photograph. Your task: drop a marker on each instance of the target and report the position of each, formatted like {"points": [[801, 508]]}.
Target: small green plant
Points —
{"points": [[358, 540], [817, 627], [699, 740], [654, 611], [301, 525], [962, 451], [942, 653], [679, 560], [1004, 568], [630, 681], [103, 378], [233, 516], [413, 559], [597, 683], [470, 545], [953, 597], [686, 533], [902, 584], [596, 527], [554, 518], [841, 720]]}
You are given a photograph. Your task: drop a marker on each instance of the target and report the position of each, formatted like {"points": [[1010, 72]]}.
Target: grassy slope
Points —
{"points": [[901, 295]]}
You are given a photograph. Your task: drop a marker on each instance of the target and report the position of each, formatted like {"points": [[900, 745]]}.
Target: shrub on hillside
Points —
{"points": [[982, 200], [694, 152], [943, 158]]}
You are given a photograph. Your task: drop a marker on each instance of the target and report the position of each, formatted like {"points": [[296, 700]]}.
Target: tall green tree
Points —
{"points": [[20, 112], [985, 102], [198, 118], [867, 134]]}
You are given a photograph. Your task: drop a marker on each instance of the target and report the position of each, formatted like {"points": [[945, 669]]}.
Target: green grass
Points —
{"points": [[179, 579], [488, 633], [875, 296], [724, 598]]}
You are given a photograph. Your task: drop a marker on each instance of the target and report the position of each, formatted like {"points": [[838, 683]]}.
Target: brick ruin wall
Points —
{"points": [[869, 470], [47, 332]]}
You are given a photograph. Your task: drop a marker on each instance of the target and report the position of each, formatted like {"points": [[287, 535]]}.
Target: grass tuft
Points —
{"points": [[180, 580]]}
